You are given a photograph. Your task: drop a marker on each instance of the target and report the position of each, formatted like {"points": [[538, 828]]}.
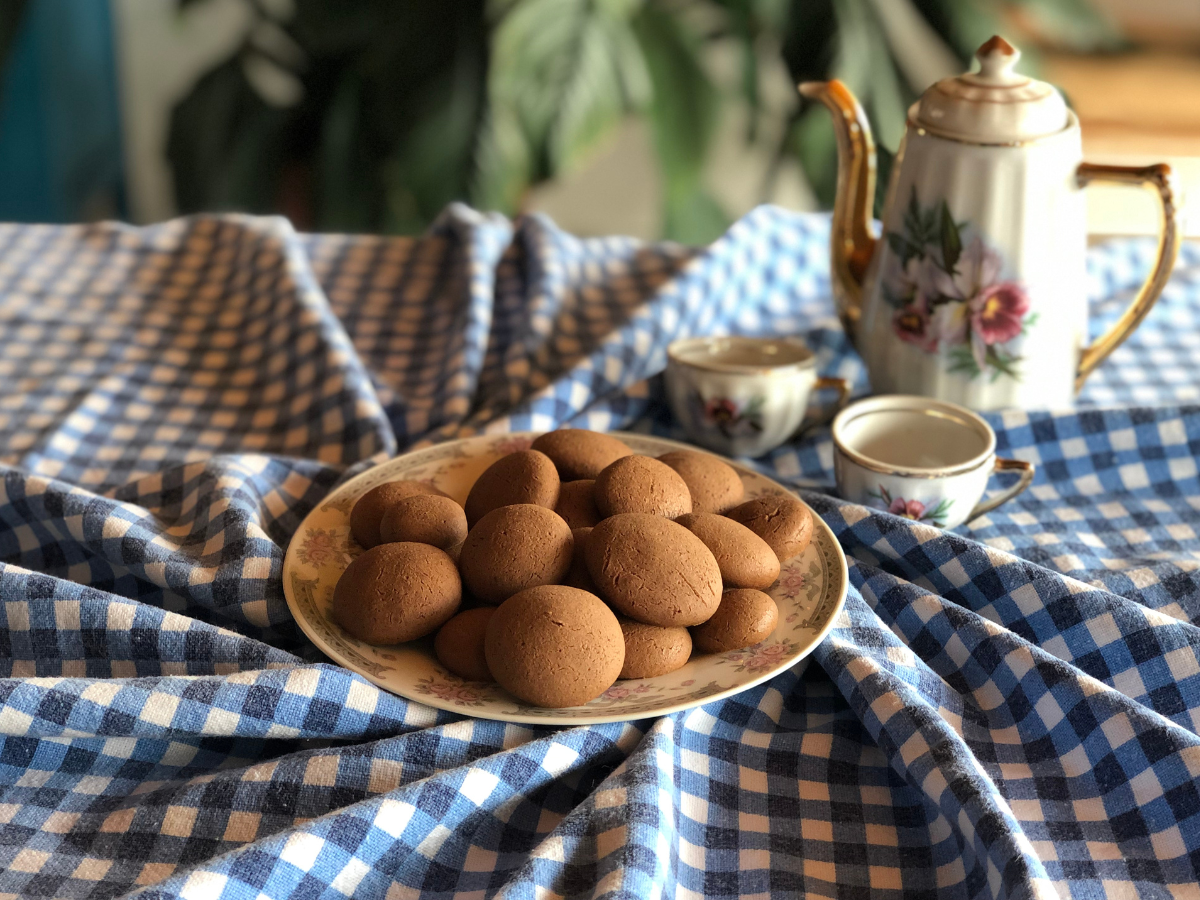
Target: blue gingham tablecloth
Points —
{"points": [[1011, 710]]}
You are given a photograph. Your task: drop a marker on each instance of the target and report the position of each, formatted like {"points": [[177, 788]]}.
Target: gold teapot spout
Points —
{"points": [[851, 241]]}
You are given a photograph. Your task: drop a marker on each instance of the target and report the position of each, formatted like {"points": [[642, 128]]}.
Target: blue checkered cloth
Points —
{"points": [[1010, 710]]}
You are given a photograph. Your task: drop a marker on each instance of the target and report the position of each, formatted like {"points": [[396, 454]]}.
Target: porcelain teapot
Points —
{"points": [[976, 292]]}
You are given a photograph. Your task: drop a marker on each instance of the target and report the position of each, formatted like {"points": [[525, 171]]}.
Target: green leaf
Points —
{"points": [[963, 360], [684, 106], [1078, 25], [811, 139], [11, 15], [683, 116], [951, 240], [432, 165], [904, 248], [912, 215], [564, 71], [693, 217], [226, 146]]}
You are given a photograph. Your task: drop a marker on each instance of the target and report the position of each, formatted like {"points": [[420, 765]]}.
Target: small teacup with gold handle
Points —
{"points": [[920, 458], [744, 396]]}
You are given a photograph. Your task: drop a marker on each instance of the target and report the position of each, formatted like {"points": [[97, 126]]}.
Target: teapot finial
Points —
{"points": [[995, 105], [997, 59]]}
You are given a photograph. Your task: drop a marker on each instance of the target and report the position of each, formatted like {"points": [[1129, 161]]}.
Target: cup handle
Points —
{"points": [[1170, 236], [842, 386], [1026, 469]]}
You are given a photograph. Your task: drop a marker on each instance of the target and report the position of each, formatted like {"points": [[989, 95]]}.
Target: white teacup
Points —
{"points": [[743, 396], [920, 458]]}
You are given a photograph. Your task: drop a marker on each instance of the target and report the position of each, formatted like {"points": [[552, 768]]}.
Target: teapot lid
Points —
{"points": [[994, 105]]}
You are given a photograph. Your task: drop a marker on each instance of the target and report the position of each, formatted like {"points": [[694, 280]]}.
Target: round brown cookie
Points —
{"points": [[526, 476], [554, 646], [744, 618], [641, 484], [782, 521], [459, 644], [424, 519], [368, 511], [715, 487], [513, 548], [578, 576], [397, 592], [579, 453], [651, 650], [653, 570], [746, 560], [577, 503]]}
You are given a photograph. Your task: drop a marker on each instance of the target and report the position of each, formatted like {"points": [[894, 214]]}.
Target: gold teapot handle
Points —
{"points": [[1170, 234]]}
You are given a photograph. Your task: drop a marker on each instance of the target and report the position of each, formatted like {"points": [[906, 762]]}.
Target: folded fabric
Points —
{"points": [[1009, 710]]}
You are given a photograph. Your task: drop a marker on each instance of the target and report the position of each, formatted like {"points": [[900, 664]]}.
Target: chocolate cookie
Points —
{"points": [[715, 487], [579, 453], [577, 503], [526, 476], [651, 650], [459, 644], [554, 646], [397, 592], [653, 570], [744, 618], [782, 521], [642, 484], [368, 511], [578, 575], [424, 519], [746, 560], [513, 548]]}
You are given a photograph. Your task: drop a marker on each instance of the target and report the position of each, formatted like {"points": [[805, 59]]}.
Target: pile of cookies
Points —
{"points": [[580, 563]]}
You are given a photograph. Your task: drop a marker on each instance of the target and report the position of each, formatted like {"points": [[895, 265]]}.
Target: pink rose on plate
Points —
{"points": [[908, 509], [792, 582], [321, 547], [765, 657]]}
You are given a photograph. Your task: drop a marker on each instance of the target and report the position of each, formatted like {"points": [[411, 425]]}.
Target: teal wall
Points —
{"points": [[60, 129]]}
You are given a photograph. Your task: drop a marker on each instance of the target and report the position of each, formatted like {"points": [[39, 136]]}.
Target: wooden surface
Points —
{"points": [[1135, 109]]}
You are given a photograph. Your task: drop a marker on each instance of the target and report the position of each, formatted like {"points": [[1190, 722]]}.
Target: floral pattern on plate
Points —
{"points": [[810, 592]]}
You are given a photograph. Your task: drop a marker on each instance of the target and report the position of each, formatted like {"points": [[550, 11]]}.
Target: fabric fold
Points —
{"points": [[1009, 710]]}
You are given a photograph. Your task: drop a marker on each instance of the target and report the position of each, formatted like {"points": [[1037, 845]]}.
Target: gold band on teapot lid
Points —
{"points": [[995, 105]]}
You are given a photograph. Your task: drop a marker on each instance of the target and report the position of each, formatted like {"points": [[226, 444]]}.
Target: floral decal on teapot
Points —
{"points": [[933, 513], [950, 296]]}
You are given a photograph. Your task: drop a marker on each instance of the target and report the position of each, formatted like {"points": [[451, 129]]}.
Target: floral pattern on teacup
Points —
{"points": [[916, 510], [733, 418], [951, 297]]}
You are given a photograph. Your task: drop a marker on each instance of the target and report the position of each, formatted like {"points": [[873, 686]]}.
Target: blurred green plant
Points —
{"points": [[372, 115]]}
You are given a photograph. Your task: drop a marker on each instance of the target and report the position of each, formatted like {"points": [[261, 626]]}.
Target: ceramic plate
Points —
{"points": [[810, 593]]}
